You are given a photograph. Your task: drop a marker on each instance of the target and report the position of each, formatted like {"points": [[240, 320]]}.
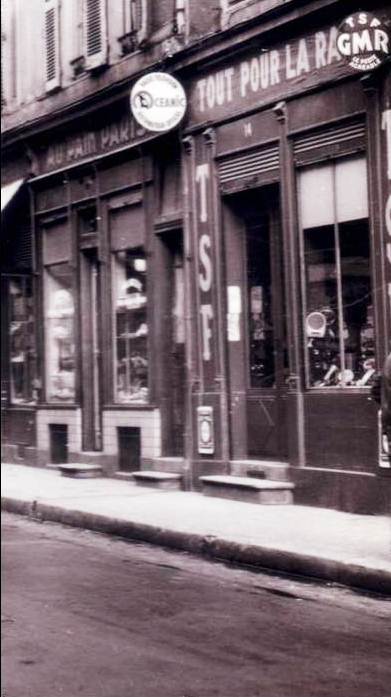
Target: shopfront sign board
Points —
{"points": [[270, 73], [86, 144]]}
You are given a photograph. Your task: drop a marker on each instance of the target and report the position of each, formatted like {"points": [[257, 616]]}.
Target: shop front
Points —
{"points": [[18, 349], [107, 301], [291, 270]]}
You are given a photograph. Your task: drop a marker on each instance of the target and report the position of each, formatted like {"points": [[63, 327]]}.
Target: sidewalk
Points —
{"points": [[334, 546]]}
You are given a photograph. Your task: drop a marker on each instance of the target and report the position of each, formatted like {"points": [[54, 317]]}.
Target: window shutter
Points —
{"points": [[252, 168], [95, 33], [52, 44], [340, 139]]}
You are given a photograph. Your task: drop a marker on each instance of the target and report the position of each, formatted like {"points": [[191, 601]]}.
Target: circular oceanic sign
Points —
{"points": [[158, 101], [364, 41]]}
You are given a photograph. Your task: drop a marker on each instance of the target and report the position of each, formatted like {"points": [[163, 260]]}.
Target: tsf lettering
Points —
{"points": [[205, 275]]}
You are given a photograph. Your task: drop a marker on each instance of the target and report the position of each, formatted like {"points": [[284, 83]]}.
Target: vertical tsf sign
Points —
{"points": [[386, 127], [205, 268]]}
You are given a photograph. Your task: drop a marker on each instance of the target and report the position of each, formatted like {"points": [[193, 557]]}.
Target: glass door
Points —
{"points": [[266, 341]]}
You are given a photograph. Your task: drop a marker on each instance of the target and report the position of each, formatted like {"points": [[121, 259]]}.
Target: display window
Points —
{"points": [[336, 280], [22, 341], [59, 333], [131, 326]]}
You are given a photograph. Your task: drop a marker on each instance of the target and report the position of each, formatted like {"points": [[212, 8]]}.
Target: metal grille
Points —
{"points": [[249, 165], [331, 136], [50, 27], [93, 27]]}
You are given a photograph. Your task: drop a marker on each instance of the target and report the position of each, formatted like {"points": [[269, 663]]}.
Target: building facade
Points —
{"points": [[216, 298]]}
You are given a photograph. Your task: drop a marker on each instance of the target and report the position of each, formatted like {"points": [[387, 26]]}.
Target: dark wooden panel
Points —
{"points": [[254, 129], [127, 227], [334, 103], [19, 427], [262, 431], [341, 431], [57, 243], [54, 196], [122, 174]]}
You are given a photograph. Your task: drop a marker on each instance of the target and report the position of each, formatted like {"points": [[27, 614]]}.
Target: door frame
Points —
{"points": [[90, 344], [244, 399]]}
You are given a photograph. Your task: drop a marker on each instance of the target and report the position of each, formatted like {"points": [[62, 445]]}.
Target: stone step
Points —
{"points": [[248, 489], [268, 469], [169, 464], [158, 479], [123, 475], [80, 470]]}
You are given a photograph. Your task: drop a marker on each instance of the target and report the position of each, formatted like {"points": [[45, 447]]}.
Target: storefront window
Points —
{"points": [[22, 341], [260, 320], [59, 334], [131, 327], [338, 322]]}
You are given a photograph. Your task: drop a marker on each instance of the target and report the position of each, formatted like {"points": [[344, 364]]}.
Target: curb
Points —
{"points": [[261, 558]]}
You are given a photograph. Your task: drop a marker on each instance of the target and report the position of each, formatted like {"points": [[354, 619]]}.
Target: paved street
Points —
{"points": [[84, 614]]}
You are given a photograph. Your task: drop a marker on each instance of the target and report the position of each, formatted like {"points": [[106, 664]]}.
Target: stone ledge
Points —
{"points": [[252, 483], [248, 489], [76, 469], [157, 479]]}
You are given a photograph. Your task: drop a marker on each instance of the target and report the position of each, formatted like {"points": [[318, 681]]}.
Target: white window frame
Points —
{"points": [[55, 81]]}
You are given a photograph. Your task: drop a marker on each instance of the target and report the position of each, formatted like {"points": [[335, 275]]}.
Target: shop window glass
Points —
{"points": [[131, 326], [339, 329], [260, 320], [22, 341], [59, 334]]}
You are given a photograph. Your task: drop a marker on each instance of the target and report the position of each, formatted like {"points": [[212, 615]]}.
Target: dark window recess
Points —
{"points": [[129, 448], [58, 434]]}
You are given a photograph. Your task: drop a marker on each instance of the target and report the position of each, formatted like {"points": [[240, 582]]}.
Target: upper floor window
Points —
{"points": [[135, 24]]}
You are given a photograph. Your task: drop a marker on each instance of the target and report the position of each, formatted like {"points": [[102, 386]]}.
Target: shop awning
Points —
{"points": [[9, 191]]}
